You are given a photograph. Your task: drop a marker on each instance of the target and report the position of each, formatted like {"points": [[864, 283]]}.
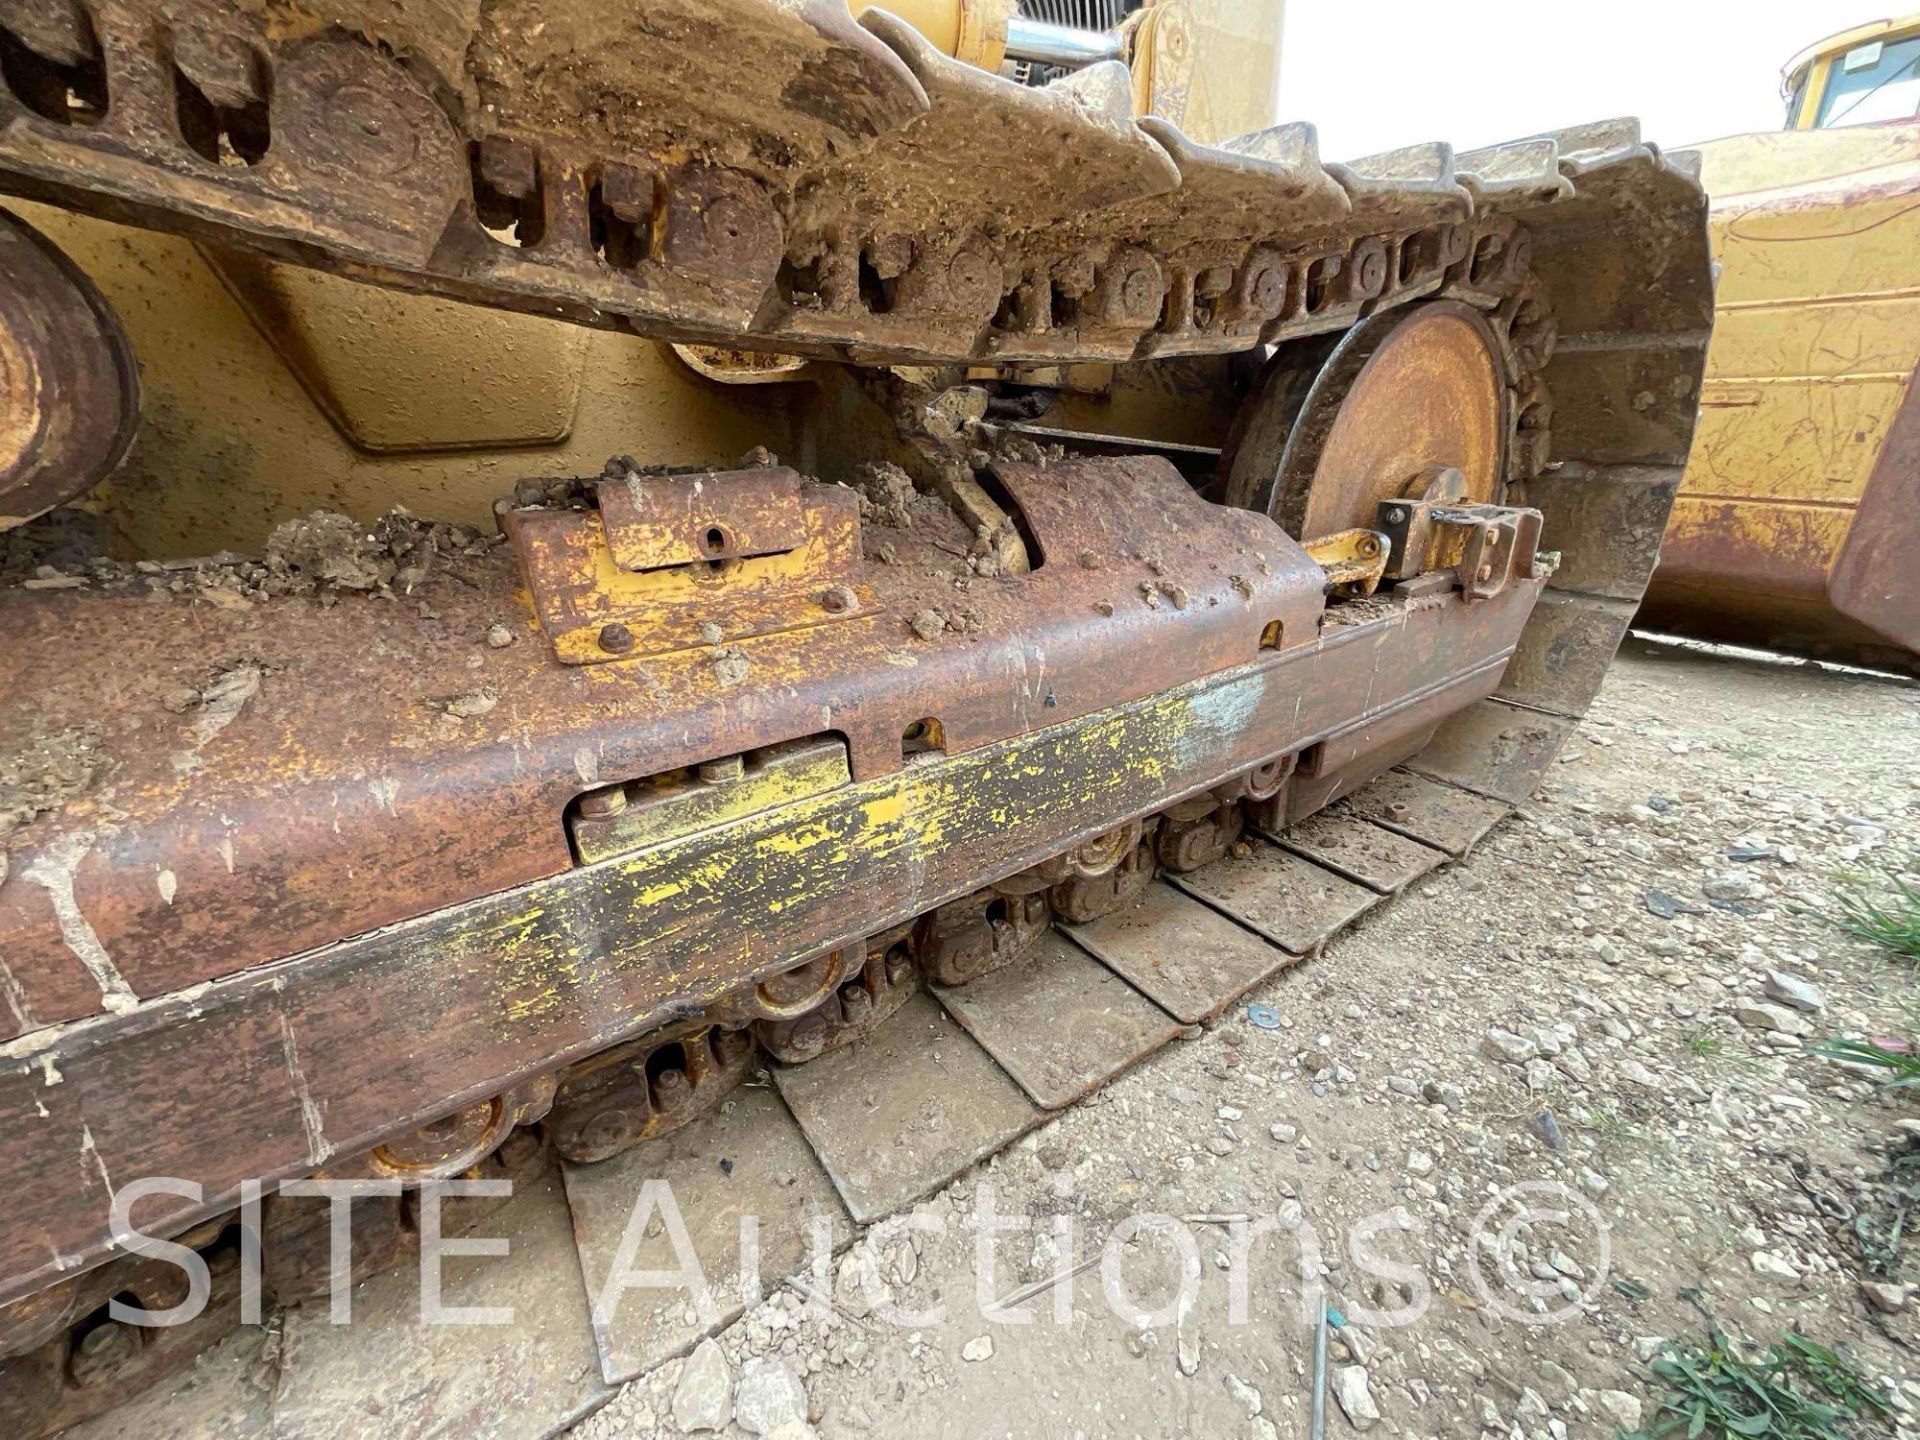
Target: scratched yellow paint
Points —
{"points": [[804, 856], [1816, 338]]}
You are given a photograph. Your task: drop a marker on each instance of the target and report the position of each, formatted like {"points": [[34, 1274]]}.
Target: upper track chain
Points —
{"points": [[775, 172]]}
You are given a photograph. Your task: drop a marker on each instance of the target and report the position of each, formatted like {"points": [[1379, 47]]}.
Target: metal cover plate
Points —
{"points": [[1379, 859], [388, 1374], [745, 1157], [1190, 960], [1425, 810], [1291, 901], [897, 1115], [1058, 1022]]}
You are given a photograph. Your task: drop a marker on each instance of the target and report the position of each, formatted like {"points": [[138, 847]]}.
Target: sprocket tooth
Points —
{"points": [[1406, 188], [1104, 90], [1685, 162], [1518, 175], [1278, 166]]}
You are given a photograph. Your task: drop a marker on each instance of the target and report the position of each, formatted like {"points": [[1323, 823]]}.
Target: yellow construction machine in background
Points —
{"points": [[1797, 525]]}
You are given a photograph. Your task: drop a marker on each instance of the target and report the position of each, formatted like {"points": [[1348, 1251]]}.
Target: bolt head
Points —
{"points": [[616, 639]]}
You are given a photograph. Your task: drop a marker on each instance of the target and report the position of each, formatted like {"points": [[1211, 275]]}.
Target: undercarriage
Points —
{"points": [[412, 851]]}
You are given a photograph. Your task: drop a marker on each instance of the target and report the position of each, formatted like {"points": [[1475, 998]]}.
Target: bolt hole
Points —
{"points": [[923, 737], [715, 539], [666, 1058], [1271, 635]]}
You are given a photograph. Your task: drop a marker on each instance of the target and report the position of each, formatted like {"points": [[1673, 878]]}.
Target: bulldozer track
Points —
{"points": [[826, 198], [1084, 1005], [779, 177]]}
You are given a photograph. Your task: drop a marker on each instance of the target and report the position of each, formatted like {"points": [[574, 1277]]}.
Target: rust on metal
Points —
{"points": [[650, 566], [774, 772], [1060, 1023], [646, 1089], [897, 1114], [1292, 902], [565, 997], [1189, 959], [851, 1009], [69, 384], [1404, 394]]}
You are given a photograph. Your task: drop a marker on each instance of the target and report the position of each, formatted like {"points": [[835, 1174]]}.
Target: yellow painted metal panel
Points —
{"points": [[1737, 546], [1816, 334], [1845, 340], [1813, 439], [231, 443]]}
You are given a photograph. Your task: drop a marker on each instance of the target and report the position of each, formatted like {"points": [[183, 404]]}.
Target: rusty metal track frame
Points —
{"points": [[480, 994]]}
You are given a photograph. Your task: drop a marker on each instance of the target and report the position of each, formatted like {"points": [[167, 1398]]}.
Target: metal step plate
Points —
{"points": [[391, 1375], [899, 1114], [1190, 960], [1426, 810], [1291, 901], [1058, 1022], [1379, 859], [745, 1157]]}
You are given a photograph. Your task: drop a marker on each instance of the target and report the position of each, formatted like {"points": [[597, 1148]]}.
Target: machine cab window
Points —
{"points": [[1872, 82]]}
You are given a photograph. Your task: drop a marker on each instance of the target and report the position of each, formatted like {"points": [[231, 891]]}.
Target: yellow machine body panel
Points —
{"points": [[1788, 528]]}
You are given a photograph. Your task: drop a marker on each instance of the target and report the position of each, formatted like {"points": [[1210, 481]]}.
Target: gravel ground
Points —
{"points": [[1611, 1000]]}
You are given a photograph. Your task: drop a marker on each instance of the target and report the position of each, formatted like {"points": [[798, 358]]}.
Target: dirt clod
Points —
{"points": [[886, 495], [44, 773], [473, 704]]}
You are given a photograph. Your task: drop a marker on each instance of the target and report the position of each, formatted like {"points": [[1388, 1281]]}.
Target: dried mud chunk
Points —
{"points": [[928, 624], [730, 666], [329, 548], [886, 494], [222, 700], [473, 704], [44, 773]]}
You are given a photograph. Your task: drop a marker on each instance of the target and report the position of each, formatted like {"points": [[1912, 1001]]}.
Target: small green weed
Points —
{"points": [[1795, 1389]]}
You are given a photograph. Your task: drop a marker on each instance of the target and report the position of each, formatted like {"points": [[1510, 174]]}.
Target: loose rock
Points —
{"points": [[768, 1397], [1349, 1386], [704, 1398]]}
